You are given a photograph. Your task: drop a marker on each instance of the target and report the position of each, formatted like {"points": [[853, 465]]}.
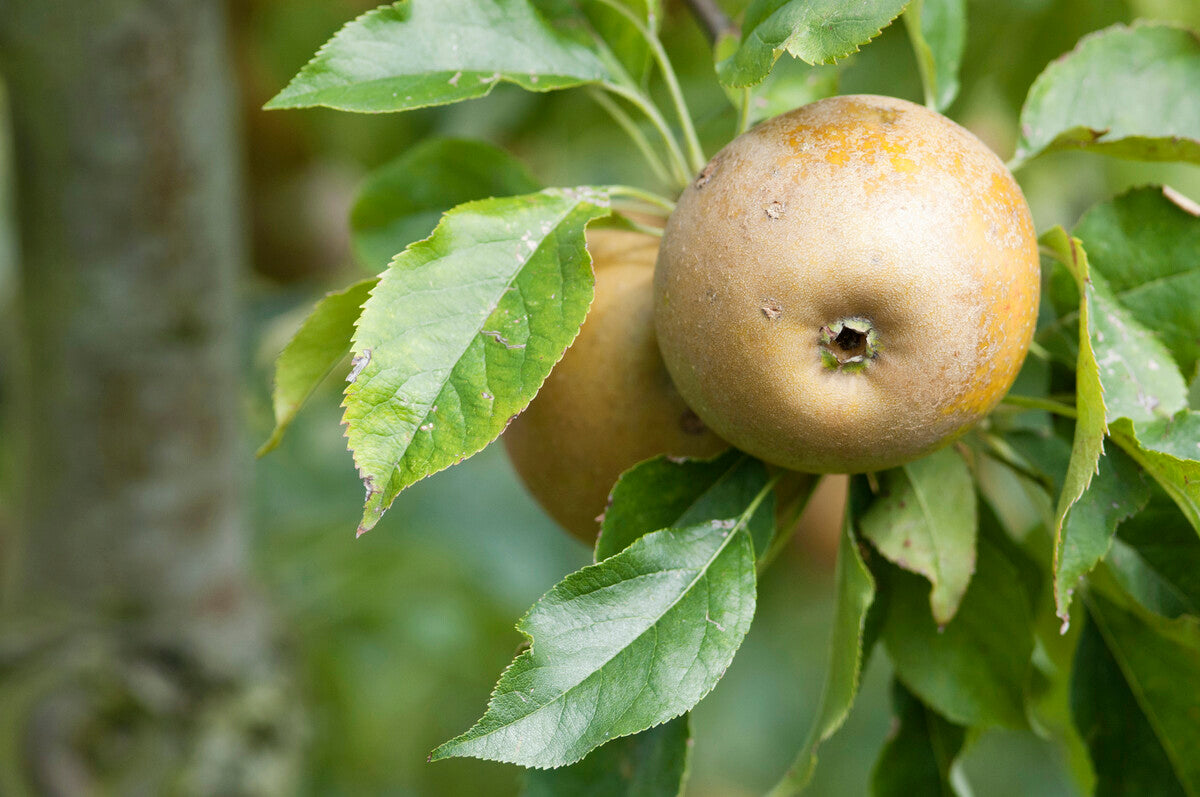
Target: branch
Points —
{"points": [[712, 19]]}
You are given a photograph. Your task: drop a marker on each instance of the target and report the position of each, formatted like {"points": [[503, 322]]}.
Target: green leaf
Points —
{"points": [[1123, 371], [790, 85], [1124, 91], [1139, 717], [418, 53], [1050, 687], [1140, 378], [1169, 450], [925, 522], [1147, 246], [815, 31], [315, 350], [855, 593], [462, 330], [620, 646], [1118, 492], [920, 751], [1125, 755], [653, 763], [402, 201], [1045, 454], [1156, 557], [938, 30], [665, 493], [1091, 424], [975, 670], [1137, 374]]}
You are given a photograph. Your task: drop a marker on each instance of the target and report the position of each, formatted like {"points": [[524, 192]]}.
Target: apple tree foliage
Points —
{"points": [[457, 333]]}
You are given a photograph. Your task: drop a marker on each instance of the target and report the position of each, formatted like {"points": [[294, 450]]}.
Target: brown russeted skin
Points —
{"points": [[847, 286], [609, 403]]}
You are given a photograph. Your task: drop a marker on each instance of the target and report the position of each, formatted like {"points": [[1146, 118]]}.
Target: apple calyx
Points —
{"points": [[849, 344]]}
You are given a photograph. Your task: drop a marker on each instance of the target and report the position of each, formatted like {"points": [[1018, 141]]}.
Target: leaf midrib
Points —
{"points": [[702, 572], [425, 410]]}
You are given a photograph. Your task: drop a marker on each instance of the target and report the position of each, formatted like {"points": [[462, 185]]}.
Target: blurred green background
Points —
{"points": [[398, 637], [404, 631]]}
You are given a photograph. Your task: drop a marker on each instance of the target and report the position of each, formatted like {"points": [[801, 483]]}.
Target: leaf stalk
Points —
{"points": [[695, 151]]}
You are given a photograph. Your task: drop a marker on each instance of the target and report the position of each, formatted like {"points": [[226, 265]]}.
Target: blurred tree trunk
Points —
{"points": [[137, 656]]}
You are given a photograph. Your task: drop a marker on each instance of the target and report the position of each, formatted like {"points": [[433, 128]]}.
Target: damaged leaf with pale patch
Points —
{"points": [[1126, 91], [462, 330], [925, 522]]}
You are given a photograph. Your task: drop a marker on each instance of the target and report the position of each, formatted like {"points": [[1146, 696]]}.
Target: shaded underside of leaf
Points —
{"points": [[313, 352], [653, 763], [938, 29], [402, 200], [975, 671], [1126, 756], [1156, 557], [1119, 491], [665, 492], [628, 46], [1169, 450], [1159, 662], [920, 752]]}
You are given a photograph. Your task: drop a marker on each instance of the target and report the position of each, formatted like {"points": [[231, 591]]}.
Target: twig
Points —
{"points": [[679, 164], [715, 22], [649, 197], [635, 134]]}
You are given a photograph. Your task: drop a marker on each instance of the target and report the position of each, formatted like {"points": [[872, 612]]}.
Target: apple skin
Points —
{"points": [[609, 403], [848, 286]]}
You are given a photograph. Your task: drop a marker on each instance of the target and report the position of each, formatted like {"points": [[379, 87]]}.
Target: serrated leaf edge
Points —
{"points": [[279, 103], [1024, 152], [596, 196], [741, 527], [1054, 240]]}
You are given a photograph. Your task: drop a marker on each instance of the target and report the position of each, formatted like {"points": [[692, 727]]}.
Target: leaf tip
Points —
{"points": [[373, 509], [442, 751], [1062, 606], [272, 442], [281, 101]]}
